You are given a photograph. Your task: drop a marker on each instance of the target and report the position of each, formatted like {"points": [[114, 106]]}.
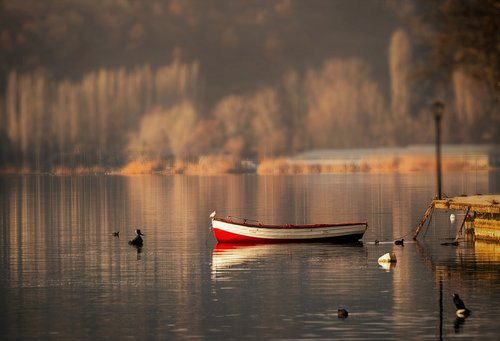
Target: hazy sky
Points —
{"points": [[254, 43]]}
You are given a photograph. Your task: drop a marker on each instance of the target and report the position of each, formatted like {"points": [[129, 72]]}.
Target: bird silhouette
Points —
{"points": [[342, 313], [137, 241], [400, 242], [462, 311], [116, 234]]}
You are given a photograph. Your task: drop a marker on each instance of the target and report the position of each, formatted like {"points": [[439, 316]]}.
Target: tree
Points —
{"points": [[456, 45], [151, 140], [343, 104], [268, 124], [400, 69], [468, 38], [181, 124], [235, 118]]}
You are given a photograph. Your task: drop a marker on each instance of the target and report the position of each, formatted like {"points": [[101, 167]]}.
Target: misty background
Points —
{"points": [[86, 83]]}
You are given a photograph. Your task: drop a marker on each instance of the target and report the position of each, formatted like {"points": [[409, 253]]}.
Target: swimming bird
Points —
{"points": [[462, 311], [342, 313], [400, 242], [116, 234], [137, 241]]}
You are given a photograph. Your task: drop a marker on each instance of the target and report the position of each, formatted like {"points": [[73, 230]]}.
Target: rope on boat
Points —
{"points": [[390, 239], [406, 235], [243, 219], [393, 240]]}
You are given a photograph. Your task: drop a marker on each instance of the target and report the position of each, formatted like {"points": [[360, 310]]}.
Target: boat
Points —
{"points": [[240, 230]]}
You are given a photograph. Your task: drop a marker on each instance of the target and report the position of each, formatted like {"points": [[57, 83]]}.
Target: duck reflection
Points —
{"points": [[457, 325]]}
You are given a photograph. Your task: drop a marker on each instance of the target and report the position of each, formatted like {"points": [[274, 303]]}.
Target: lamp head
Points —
{"points": [[437, 110]]}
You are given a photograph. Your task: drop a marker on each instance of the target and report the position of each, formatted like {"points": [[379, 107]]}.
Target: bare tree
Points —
{"points": [[400, 74]]}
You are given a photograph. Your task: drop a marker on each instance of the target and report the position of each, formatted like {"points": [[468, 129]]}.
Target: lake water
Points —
{"points": [[64, 276]]}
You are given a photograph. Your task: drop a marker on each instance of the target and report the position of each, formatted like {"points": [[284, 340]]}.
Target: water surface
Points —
{"points": [[63, 274]]}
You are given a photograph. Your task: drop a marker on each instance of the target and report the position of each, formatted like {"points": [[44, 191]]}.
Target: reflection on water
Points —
{"points": [[64, 274], [226, 258]]}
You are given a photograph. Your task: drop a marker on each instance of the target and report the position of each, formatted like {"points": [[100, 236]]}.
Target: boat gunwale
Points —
{"points": [[246, 223]]}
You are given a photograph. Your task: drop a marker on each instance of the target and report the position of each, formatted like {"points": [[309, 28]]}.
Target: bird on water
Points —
{"points": [[342, 313], [137, 241], [462, 311], [400, 242]]}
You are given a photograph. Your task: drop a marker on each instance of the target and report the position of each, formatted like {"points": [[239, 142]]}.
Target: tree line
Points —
{"points": [[114, 115]]}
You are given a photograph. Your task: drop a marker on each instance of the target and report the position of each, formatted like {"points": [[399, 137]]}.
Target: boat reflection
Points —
{"points": [[226, 256], [229, 258]]}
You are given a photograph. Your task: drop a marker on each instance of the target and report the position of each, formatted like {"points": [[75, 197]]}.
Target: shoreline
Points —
{"points": [[417, 158], [266, 167]]}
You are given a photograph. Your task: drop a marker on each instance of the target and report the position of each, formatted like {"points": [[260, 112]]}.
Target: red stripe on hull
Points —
{"points": [[228, 237]]}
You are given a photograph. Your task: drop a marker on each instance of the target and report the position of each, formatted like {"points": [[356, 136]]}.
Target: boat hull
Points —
{"points": [[226, 231]]}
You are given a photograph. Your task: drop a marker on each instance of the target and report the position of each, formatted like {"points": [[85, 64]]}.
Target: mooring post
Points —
{"points": [[437, 109]]}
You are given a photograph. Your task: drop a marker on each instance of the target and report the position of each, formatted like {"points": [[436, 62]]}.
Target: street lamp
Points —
{"points": [[437, 111]]}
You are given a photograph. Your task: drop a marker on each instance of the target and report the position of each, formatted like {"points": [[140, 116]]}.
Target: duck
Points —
{"points": [[137, 241], [400, 242], [462, 311], [342, 313], [116, 234]]}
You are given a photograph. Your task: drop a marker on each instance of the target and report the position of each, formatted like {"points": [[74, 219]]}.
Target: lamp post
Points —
{"points": [[437, 110]]}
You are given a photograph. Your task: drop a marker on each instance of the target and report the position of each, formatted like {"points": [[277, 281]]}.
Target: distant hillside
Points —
{"points": [[240, 45]]}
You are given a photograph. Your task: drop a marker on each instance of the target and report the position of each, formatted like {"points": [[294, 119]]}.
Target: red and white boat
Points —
{"points": [[238, 230]]}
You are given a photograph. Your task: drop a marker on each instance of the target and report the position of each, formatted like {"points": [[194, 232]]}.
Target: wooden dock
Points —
{"points": [[483, 211]]}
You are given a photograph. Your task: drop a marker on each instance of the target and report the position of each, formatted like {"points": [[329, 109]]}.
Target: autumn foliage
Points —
{"points": [[153, 117]]}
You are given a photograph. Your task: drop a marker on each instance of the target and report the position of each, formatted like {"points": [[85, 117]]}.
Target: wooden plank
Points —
{"points": [[476, 203], [485, 209]]}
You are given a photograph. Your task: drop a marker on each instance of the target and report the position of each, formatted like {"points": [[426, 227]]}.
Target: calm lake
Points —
{"points": [[65, 276]]}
